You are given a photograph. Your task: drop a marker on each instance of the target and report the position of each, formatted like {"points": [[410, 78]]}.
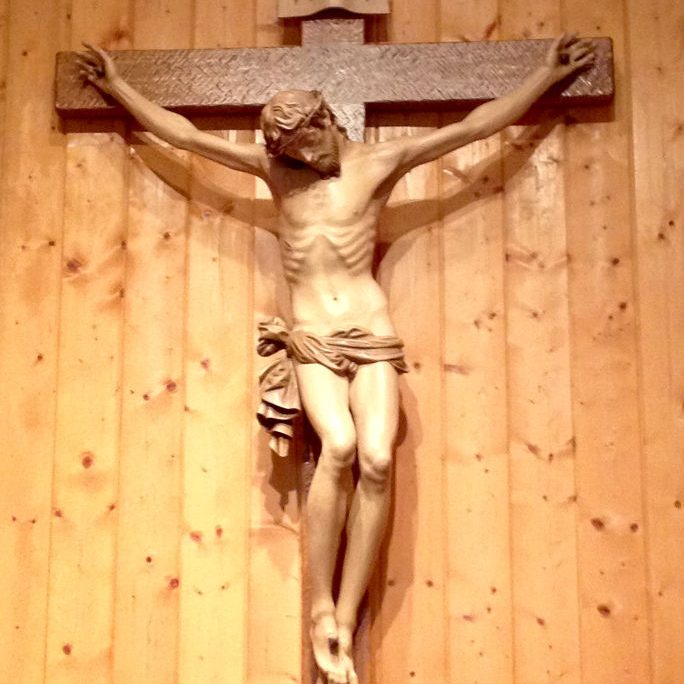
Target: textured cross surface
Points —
{"points": [[334, 60]]}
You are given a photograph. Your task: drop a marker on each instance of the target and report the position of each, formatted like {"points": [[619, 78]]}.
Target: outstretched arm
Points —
{"points": [[99, 68], [566, 55]]}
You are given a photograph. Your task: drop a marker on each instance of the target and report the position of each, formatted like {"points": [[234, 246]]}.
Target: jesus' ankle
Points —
{"points": [[322, 612], [345, 629]]}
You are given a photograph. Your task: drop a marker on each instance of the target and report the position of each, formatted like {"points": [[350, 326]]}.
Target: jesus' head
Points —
{"points": [[299, 124]]}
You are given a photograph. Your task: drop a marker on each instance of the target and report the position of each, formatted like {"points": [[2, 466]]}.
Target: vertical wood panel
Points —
{"points": [[4, 42], [275, 580], [31, 197], [612, 578], [655, 65], [82, 557], [543, 494], [413, 564], [541, 435], [217, 441], [478, 549], [83, 546], [218, 397], [150, 504], [666, 553]]}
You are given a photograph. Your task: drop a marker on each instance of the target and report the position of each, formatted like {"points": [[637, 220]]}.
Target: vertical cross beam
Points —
{"points": [[331, 32]]}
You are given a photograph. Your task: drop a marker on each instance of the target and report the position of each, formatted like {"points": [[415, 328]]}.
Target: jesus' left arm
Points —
{"points": [[565, 56]]}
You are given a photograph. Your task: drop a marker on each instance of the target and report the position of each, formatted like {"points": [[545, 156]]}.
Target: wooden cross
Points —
{"points": [[333, 59]]}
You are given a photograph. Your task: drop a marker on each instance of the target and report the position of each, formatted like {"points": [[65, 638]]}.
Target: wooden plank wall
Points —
{"points": [[538, 516]]}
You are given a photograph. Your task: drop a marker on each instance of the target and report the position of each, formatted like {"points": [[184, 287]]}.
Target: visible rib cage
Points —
{"points": [[349, 248]]}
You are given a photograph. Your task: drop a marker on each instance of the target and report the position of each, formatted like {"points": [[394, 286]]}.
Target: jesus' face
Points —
{"points": [[318, 147]]}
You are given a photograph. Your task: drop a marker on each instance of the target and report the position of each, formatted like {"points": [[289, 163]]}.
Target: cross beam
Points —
{"points": [[334, 60]]}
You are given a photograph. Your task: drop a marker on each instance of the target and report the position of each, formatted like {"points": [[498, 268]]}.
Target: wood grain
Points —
{"points": [[131, 540], [215, 82], [218, 416], [612, 569], [4, 38], [543, 492], [31, 207], [655, 60], [475, 406], [83, 545], [86, 472], [150, 491]]}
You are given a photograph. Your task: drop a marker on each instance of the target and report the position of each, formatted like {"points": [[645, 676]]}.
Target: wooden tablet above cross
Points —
{"points": [[334, 59]]}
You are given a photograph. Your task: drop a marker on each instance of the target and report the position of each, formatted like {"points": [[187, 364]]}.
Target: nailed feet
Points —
{"points": [[332, 647], [346, 646]]}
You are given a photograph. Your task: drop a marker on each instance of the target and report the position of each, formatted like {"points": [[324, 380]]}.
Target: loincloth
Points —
{"points": [[342, 352]]}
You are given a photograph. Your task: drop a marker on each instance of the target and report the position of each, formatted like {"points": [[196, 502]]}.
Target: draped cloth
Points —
{"points": [[343, 351]]}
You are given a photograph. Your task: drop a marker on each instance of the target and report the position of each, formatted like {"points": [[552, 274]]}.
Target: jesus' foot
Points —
{"points": [[346, 645], [324, 639]]}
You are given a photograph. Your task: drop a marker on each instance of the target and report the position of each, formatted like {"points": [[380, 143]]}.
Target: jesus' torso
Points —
{"points": [[327, 233]]}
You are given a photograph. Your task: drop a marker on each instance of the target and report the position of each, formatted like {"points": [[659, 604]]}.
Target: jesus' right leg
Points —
{"points": [[374, 401], [325, 397]]}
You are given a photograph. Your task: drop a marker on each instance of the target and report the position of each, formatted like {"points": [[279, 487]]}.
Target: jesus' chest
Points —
{"points": [[341, 201]]}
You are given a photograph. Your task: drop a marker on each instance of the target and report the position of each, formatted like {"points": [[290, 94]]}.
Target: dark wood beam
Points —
{"points": [[228, 81]]}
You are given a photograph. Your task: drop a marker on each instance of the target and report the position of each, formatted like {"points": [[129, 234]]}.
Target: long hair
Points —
{"points": [[288, 112]]}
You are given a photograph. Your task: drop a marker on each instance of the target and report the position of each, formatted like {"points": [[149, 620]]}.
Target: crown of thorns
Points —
{"points": [[276, 147]]}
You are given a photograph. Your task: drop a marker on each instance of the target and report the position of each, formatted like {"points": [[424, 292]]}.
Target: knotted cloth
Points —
{"points": [[342, 352]]}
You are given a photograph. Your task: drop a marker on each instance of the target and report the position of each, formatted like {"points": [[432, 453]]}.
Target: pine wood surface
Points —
{"points": [[214, 555], [4, 38], [542, 486], [150, 536], [655, 57], [150, 505], [83, 549], [612, 568], [475, 419], [31, 207]]}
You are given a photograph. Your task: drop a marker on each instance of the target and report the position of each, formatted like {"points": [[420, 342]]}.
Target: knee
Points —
{"points": [[339, 451], [376, 466]]}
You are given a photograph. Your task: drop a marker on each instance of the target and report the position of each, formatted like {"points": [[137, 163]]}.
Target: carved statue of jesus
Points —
{"points": [[329, 192]]}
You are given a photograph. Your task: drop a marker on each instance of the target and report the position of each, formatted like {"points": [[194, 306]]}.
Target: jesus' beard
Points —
{"points": [[327, 165], [326, 162]]}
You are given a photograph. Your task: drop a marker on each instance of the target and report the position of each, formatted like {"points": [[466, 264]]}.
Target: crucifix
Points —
{"points": [[342, 356], [333, 58]]}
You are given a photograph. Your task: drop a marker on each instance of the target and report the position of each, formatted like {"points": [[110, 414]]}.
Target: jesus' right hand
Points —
{"points": [[98, 67]]}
